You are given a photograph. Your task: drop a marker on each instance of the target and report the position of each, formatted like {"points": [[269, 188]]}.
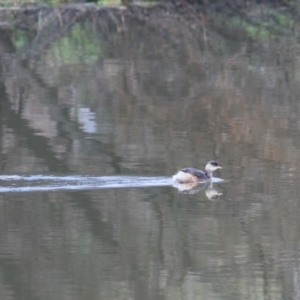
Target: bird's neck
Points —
{"points": [[208, 173]]}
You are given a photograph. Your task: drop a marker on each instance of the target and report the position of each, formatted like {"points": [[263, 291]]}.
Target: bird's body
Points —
{"points": [[188, 175]]}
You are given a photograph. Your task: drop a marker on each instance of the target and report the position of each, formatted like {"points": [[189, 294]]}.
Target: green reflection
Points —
{"points": [[262, 26], [20, 39], [80, 45]]}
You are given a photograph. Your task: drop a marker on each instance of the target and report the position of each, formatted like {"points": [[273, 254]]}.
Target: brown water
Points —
{"points": [[93, 125]]}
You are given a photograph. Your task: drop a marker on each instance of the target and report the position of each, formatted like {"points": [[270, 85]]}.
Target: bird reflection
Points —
{"points": [[195, 187]]}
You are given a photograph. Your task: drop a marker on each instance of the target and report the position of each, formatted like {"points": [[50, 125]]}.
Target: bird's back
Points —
{"points": [[195, 172], [190, 175]]}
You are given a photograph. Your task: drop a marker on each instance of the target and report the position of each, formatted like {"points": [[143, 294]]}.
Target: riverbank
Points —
{"points": [[249, 17]]}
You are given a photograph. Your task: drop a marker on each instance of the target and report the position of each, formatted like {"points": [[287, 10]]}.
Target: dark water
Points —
{"points": [[92, 126]]}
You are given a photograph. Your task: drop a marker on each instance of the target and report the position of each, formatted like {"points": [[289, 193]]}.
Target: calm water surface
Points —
{"points": [[93, 125]]}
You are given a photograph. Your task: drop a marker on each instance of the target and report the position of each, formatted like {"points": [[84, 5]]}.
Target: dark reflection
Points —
{"points": [[195, 187]]}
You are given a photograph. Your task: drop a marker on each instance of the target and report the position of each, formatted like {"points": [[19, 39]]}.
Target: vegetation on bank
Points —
{"points": [[256, 19], [213, 3], [20, 3], [33, 28]]}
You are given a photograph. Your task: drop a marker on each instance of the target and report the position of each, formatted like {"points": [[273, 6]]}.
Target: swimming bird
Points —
{"points": [[193, 175]]}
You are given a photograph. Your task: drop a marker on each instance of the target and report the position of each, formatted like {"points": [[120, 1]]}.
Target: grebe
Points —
{"points": [[193, 175]]}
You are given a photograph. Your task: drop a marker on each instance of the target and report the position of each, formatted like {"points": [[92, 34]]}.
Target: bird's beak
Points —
{"points": [[219, 167]]}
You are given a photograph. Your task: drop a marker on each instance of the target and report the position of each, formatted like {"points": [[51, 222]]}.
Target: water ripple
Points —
{"points": [[20, 183]]}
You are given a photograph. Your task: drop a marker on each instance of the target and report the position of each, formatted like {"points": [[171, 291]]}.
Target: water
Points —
{"points": [[92, 126]]}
